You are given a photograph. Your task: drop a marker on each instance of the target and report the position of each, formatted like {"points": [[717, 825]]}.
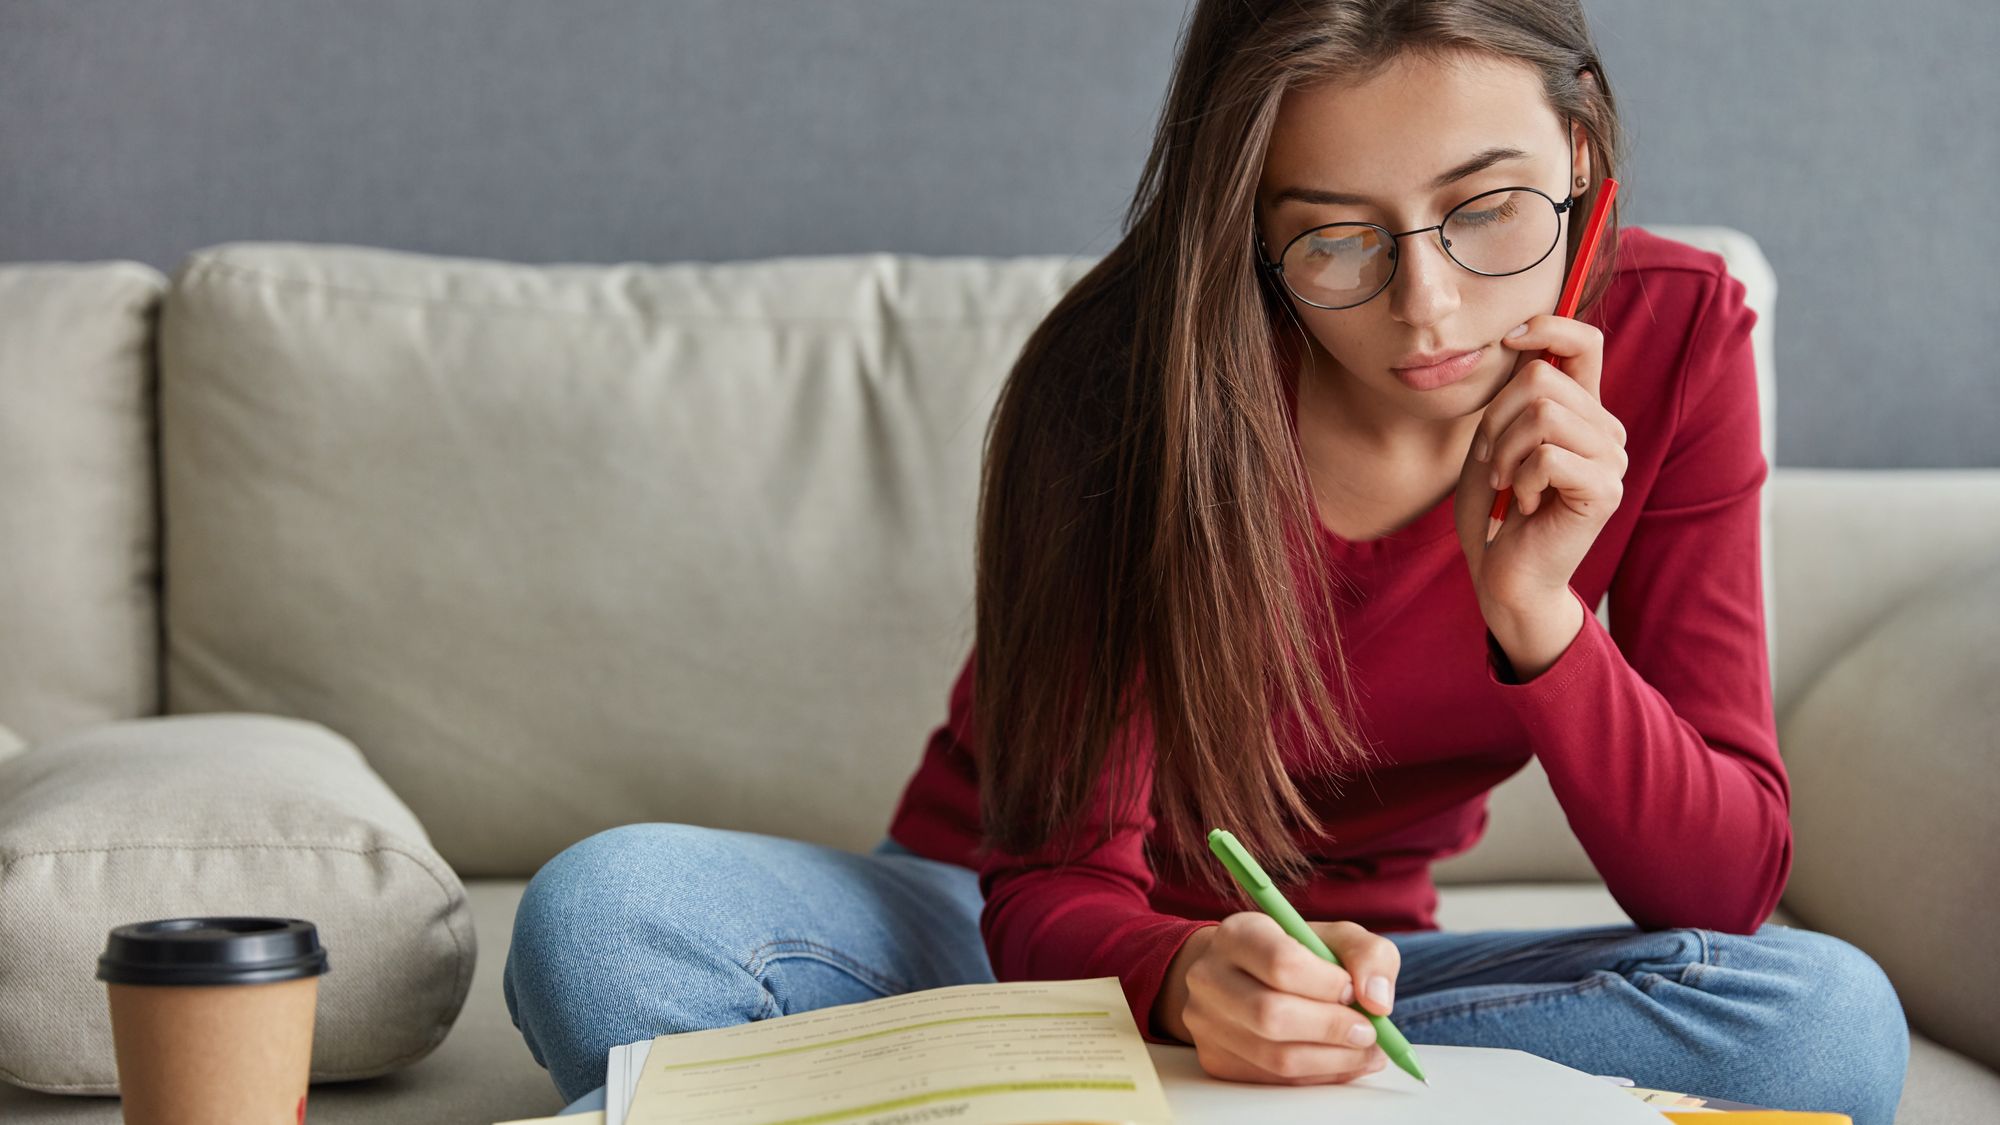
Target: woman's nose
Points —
{"points": [[1424, 285]]}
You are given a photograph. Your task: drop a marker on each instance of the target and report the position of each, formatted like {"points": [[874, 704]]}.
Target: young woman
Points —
{"points": [[1226, 473]]}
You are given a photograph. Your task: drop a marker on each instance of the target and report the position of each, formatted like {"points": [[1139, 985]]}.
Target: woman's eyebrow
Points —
{"points": [[1479, 163]]}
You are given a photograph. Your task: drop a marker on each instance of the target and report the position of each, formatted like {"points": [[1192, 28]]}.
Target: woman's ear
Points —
{"points": [[1580, 155], [1579, 136]]}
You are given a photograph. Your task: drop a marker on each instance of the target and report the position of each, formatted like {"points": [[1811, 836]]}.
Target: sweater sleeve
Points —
{"points": [[1092, 917], [1661, 747]]}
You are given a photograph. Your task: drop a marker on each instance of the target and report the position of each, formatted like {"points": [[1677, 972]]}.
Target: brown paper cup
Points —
{"points": [[223, 1033], [231, 1052]]}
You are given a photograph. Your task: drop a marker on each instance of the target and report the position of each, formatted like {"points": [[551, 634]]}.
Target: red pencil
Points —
{"points": [[1566, 306]]}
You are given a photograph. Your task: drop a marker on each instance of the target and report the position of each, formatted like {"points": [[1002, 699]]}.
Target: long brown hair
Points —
{"points": [[1149, 563]]}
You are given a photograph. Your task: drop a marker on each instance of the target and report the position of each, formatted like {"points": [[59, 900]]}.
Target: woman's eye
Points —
{"points": [[1337, 245], [1486, 218]]}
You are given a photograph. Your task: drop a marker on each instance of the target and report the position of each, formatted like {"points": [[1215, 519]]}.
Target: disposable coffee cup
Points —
{"points": [[212, 1018]]}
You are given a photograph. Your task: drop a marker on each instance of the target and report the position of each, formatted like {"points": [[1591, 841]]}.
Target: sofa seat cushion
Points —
{"points": [[219, 814]]}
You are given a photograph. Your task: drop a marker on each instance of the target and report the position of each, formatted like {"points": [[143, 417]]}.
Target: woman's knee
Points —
{"points": [[1831, 1014], [1824, 978], [582, 881], [607, 891]]}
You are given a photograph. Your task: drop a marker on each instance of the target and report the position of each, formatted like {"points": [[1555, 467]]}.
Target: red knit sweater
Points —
{"points": [[1657, 735]]}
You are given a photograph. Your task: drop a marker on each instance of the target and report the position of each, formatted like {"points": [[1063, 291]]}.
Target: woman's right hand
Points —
{"points": [[1261, 1007]]}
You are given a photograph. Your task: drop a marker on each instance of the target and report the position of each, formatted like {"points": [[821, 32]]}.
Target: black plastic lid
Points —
{"points": [[212, 951]]}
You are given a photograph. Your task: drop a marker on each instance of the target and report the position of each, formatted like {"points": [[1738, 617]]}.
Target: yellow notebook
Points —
{"points": [[1693, 1107]]}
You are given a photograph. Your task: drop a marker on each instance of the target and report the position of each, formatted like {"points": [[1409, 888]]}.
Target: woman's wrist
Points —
{"points": [[1535, 635], [1173, 995]]}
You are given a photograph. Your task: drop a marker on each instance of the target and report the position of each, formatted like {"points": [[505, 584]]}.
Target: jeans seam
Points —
{"points": [[889, 985], [1489, 1003], [1691, 973]]}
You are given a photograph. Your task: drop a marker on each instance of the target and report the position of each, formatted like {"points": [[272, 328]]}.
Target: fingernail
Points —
{"points": [[1347, 993], [1378, 991], [1479, 448], [1361, 1035], [1519, 329]]}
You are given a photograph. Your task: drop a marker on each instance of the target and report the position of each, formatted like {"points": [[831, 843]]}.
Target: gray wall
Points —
{"points": [[1856, 143]]}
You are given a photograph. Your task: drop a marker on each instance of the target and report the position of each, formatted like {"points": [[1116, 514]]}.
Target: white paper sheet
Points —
{"points": [[619, 1078], [1489, 1085], [1502, 1088], [1494, 1086], [622, 1078]]}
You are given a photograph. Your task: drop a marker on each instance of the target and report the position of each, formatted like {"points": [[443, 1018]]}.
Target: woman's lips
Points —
{"points": [[1439, 374]]}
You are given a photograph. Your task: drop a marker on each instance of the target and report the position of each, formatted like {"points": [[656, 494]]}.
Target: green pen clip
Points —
{"points": [[1250, 876]]}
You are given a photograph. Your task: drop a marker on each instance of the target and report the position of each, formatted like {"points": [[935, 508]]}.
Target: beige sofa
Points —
{"points": [[563, 547]]}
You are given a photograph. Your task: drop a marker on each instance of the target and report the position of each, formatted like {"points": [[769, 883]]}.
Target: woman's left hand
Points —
{"points": [[1548, 435]]}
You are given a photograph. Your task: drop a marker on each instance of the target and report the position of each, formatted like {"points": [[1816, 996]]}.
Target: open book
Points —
{"points": [[1050, 1051]]}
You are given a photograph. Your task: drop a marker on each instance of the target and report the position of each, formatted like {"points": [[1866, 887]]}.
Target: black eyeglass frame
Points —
{"points": [[1277, 268]]}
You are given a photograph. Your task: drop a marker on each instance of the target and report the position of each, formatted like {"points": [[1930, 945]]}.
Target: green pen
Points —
{"points": [[1258, 886]]}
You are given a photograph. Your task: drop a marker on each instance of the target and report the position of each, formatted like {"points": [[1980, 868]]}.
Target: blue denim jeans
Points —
{"points": [[651, 929]]}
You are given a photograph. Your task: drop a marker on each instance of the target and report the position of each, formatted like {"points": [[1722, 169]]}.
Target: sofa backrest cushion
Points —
{"points": [[79, 560], [565, 547], [1899, 738]]}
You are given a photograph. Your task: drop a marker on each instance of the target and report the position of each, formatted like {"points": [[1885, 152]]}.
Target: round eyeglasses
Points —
{"points": [[1494, 234]]}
